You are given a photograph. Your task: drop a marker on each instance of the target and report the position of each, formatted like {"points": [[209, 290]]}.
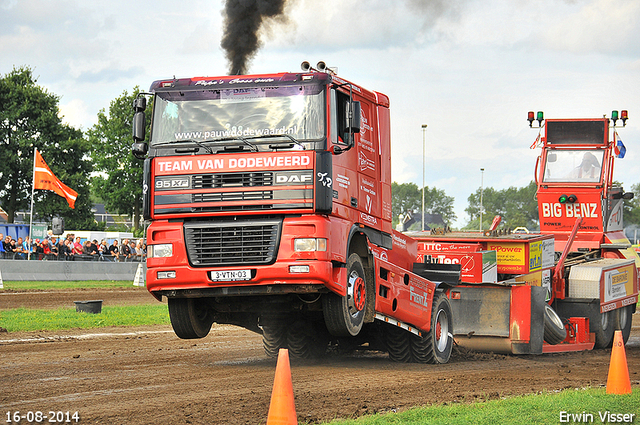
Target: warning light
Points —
{"points": [[539, 117], [567, 199], [614, 117], [624, 116]]}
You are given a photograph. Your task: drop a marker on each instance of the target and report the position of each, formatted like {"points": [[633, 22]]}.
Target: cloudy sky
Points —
{"points": [[469, 69]]}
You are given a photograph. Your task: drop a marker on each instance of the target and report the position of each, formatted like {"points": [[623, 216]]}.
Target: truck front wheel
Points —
{"points": [[344, 316], [190, 318]]}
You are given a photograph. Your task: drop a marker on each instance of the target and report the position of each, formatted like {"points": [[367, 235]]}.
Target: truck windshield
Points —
{"points": [[573, 166], [293, 112]]}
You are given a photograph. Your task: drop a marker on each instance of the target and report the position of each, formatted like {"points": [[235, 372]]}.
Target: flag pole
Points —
{"points": [[33, 185]]}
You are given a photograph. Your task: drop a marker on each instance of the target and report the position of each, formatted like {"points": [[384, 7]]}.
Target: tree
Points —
{"points": [[29, 118], [516, 206], [120, 181], [407, 197]]}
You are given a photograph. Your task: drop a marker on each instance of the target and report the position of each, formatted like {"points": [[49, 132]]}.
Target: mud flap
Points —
{"points": [[501, 319]]}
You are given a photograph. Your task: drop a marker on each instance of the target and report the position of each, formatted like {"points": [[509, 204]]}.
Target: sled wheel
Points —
{"points": [[604, 328], [554, 331], [623, 321], [190, 317], [344, 316], [398, 344]]}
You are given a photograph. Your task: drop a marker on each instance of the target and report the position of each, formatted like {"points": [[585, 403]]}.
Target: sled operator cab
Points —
{"points": [[581, 205]]}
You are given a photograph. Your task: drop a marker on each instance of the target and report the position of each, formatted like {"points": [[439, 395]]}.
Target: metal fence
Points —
{"points": [[71, 257]]}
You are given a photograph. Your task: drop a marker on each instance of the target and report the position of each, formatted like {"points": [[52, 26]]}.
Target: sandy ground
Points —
{"points": [[143, 375]]}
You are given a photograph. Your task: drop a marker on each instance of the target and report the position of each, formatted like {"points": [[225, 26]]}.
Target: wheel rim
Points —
{"points": [[357, 293], [442, 330]]}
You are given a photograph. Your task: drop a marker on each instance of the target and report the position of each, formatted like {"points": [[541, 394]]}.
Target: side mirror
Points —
{"points": [[139, 149], [139, 124], [354, 115]]}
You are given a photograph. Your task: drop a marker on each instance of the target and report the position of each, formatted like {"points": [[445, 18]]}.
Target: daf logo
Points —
{"points": [[294, 178], [172, 183]]}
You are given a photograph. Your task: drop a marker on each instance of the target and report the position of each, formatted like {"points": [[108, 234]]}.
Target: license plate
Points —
{"points": [[230, 275]]}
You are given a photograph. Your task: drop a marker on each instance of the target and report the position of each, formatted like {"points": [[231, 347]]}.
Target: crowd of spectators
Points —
{"points": [[70, 249]]}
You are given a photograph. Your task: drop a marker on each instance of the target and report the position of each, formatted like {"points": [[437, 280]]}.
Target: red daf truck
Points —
{"points": [[269, 198], [566, 288]]}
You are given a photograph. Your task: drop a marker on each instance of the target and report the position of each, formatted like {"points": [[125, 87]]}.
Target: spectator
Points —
{"points": [[54, 249], [46, 249], [2, 251], [27, 246], [20, 252], [6, 246], [94, 248], [38, 250], [114, 252], [103, 248], [134, 252], [125, 250], [64, 249], [86, 248], [140, 250], [77, 248]]}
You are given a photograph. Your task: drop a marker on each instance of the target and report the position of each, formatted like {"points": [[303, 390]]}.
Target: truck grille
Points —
{"points": [[232, 243], [212, 181]]}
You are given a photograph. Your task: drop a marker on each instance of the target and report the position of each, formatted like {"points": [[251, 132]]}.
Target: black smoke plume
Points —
{"points": [[242, 22]]}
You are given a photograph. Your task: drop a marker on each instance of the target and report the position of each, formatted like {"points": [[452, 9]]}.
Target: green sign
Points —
{"points": [[39, 231]]}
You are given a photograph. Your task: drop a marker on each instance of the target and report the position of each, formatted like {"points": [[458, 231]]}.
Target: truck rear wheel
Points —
{"points": [[623, 321], [344, 316], [398, 344], [436, 345], [305, 342], [190, 318]]}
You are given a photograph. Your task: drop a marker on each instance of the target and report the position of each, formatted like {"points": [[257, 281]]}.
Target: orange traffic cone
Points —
{"points": [[618, 381], [282, 410]]}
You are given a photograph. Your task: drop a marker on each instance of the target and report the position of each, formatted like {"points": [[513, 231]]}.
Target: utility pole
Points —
{"points": [[424, 144], [481, 194]]}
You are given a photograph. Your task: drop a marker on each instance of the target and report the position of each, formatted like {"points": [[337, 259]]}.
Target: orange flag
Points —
{"points": [[43, 178]]}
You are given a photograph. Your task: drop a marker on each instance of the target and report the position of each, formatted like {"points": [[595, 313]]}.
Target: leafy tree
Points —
{"points": [[407, 197], [631, 214], [29, 118], [120, 181], [516, 206]]}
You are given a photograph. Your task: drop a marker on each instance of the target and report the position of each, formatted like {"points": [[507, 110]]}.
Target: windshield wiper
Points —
{"points": [[196, 142], [275, 146]]}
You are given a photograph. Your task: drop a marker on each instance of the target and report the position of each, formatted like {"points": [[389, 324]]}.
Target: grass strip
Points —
{"points": [[24, 319], [28, 285], [591, 405]]}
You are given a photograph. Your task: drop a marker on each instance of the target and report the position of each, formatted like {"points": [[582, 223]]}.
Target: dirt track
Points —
{"points": [[148, 375]]}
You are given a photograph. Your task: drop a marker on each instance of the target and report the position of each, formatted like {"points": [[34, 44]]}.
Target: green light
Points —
{"points": [[614, 115], [563, 199], [540, 116]]}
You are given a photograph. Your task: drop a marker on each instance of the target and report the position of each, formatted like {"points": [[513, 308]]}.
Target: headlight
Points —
{"points": [[160, 250], [309, 244]]}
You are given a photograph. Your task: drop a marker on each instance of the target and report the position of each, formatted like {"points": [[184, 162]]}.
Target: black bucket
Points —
{"points": [[94, 307]]}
